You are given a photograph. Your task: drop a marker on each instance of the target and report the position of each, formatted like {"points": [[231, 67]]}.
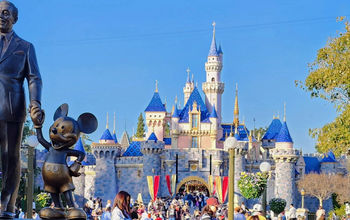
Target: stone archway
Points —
{"points": [[189, 179]]}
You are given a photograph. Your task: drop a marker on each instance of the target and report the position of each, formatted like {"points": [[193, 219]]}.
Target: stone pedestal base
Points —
{"points": [[302, 213]]}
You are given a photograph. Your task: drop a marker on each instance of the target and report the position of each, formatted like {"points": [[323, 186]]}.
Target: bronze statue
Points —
{"points": [[57, 176], [17, 63]]}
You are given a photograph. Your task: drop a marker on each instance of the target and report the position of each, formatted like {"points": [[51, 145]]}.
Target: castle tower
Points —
{"points": [[214, 127], [285, 157], [105, 152], [155, 116], [213, 87], [175, 127], [189, 86], [240, 162], [151, 150]]}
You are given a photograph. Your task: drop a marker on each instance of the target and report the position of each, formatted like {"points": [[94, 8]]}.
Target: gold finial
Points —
{"points": [[156, 86], [107, 121], [214, 24], [278, 114], [273, 117], [176, 99], [284, 117], [236, 109], [114, 124]]}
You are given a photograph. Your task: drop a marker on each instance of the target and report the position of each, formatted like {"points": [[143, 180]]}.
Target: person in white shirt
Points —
{"points": [[292, 212], [121, 206], [320, 212]]}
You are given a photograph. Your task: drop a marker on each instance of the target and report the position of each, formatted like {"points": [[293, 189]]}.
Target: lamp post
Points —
{"points": [[32, 142], [302, 192], [265, 167], [230, 144]]}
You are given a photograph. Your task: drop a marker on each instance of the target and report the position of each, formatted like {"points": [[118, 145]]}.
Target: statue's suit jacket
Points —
{"points": [[16, 64]]}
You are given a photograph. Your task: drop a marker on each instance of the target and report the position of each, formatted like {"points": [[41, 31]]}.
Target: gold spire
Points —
{"points": [[114, 124], [236, 109], [175, 99], [156, 86], [284, 116], [107, 121]]}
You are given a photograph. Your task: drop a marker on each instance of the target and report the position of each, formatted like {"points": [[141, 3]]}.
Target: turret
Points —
{"points": [[151, 150], [155, 116], [213, 87], [105, 152], [329, 163], [285, 157], [175, 127], [189, 86], [214, 127]]}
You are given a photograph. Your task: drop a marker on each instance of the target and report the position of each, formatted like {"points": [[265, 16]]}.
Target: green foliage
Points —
{"points": [[27, 130], [252, 185], [167, 130], [277, 205], [42, 200], [335, 203], [140, 127], [259, 132], [329, 79], [86, 142], [339, 212], [334, 136]]}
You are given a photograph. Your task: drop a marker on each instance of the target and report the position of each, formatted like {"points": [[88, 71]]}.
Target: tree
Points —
{"points": [[85, 138], [140, 127], [329, 79], [259, 132], [342, 189], [320, 186]]}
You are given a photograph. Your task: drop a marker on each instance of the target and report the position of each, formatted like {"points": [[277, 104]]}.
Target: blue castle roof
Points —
{"points": [[213, 50], [115, 138], [243, 132], [194, 97], [176, 113], [273, 129], [312, 165], [213, 113], [155, 104], [167, 141], [79, 146], [106, 135], [283, 135], [220, 50], [134, 150], [152, 137], [329, 158]]}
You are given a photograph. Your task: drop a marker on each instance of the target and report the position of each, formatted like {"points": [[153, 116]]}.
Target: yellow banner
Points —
{"points": [[218, 187], [210, 184], [150, 186], [173, 183]]}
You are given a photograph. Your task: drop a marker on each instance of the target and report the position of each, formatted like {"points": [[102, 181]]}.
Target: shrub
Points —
{"points": [[277, 205]]}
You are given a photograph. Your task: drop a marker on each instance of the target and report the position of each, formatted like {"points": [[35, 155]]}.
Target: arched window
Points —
{"points": [[213, 79]]}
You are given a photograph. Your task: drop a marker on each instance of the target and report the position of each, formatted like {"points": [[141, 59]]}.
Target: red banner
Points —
{"points": [[155, 187], [214, 188], [167, 178], [224, 188]]}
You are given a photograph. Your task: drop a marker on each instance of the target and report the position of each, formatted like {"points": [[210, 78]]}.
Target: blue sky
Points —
{"points": [[104, 56]]}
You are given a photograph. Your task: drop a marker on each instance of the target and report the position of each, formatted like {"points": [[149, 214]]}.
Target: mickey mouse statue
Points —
{"points": [[57, 176]]}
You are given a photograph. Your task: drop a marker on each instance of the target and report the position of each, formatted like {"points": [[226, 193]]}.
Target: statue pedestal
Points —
{"points": [[302, 213]]}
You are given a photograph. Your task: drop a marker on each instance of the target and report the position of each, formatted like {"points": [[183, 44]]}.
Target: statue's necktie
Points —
{"points": [[2, 41]]}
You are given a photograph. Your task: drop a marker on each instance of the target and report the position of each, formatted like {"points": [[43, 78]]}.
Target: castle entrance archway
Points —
{"points": [[193, 184]]}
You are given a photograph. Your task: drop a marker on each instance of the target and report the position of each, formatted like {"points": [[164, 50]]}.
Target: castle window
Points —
{"points": [[194, 120], [194, 142], [213, 79]]}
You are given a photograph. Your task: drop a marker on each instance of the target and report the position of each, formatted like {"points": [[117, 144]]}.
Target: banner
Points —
{"points": [[224, 188], [156, 187], [150, 186], [168, 184], [173, 183], [218, 187], [214, 187]]}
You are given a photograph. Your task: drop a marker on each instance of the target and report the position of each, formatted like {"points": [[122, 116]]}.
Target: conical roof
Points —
{"points": [[79, 146], [176, 113], [273, 129], [213, 51], [152, 137], [125, 141], [213, 113], [115, 138], [329, 158], [283, 135], [106, 135], [155, 104]]}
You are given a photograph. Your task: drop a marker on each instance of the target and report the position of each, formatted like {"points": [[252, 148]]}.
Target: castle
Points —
{"points": [[189, 141]]}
